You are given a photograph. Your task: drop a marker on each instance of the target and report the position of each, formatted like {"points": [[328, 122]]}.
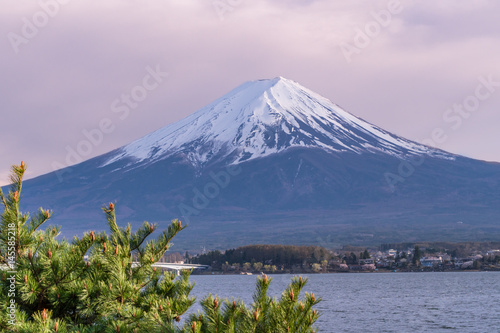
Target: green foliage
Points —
{"points": [[288, 314], [107, 283], [57, 289]]}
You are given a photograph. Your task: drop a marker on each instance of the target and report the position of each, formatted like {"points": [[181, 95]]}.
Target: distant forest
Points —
{"points": [[281, 256]]}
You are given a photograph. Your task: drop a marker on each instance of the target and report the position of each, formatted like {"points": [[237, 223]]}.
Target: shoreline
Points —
{"points": [[352, 272]]}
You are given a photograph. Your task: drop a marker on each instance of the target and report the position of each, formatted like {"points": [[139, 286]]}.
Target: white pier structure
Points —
{"points": [[175, 267]]}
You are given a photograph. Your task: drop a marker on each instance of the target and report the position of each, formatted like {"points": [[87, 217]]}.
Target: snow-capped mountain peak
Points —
{"points": [[263, 117]]}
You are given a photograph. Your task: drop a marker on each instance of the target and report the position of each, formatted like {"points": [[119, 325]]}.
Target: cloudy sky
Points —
{"points": [[423, 70]]}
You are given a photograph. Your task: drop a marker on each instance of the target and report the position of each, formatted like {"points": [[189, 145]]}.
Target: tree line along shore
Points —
{"points": [[424, 256]]}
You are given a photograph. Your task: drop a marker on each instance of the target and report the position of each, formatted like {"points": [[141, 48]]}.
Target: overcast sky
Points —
{"points": [[64, 68]]}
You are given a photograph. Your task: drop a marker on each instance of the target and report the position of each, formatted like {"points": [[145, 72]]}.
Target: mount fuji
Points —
{"points": [[266, 117], [273, 162]]}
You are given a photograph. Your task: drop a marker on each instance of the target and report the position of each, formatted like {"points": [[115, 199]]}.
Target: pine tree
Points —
{"points": [[366, 254], [417, 255], [57, 289], [107, 283], [288, 314]]}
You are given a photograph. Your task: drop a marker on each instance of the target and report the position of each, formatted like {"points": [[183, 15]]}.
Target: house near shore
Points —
{"points": [[431, 261], [366, 261], [392, 253]]}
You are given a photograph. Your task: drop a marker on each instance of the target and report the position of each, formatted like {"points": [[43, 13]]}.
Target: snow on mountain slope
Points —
{"points": [[264, 117]]}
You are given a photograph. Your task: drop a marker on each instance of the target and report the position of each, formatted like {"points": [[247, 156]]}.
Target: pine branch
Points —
{"points": [[2, 197], [16, 178], [111, 218], [140, 236], [36, 221]]}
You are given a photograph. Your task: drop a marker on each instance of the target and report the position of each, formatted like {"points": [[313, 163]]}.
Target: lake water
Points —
{"points": [[384, 302]]}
